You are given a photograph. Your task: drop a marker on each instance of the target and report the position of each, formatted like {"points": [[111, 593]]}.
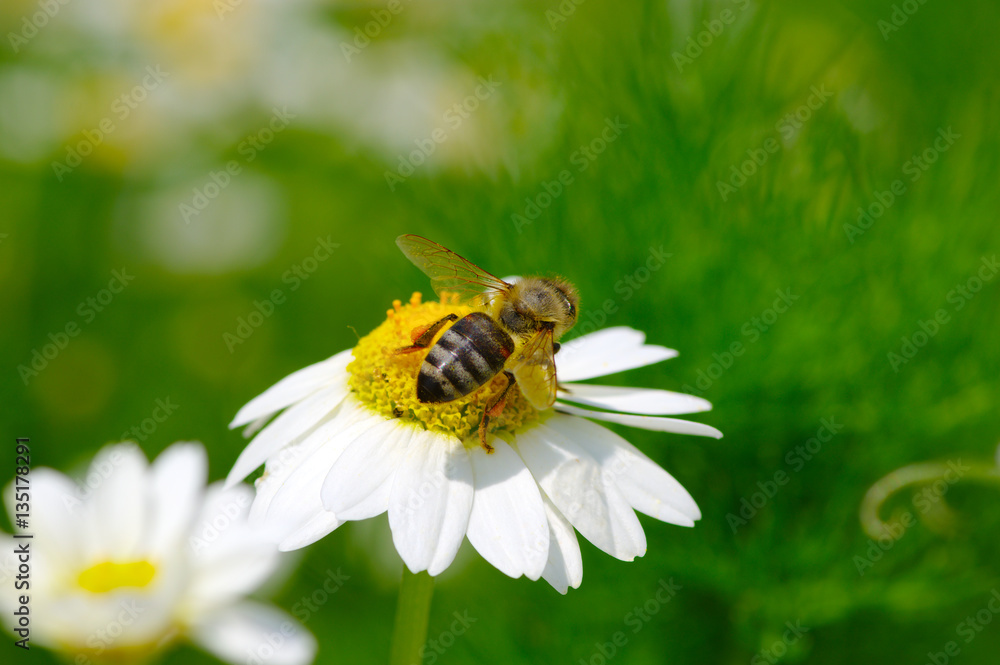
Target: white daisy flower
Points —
{"points": [[353, 442], [143, 554]]}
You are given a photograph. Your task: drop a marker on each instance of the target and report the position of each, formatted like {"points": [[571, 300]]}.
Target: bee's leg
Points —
{"points": [[494, 409], [422, 335], [555, 349]]}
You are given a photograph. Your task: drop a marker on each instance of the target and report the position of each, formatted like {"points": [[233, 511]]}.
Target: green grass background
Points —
{"points": [[654, 186]]}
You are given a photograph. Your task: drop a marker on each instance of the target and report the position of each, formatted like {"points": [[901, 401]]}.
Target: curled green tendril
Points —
{"points": [[939, 517]]}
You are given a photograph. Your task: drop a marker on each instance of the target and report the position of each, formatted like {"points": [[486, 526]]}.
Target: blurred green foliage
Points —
{"points": [[654, 186]]}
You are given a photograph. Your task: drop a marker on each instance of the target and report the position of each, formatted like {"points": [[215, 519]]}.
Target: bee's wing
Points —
{"points": [[535, 370], [449, 271]]}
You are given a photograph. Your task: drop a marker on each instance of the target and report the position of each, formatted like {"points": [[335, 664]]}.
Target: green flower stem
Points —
{"points": [[412, 614]]}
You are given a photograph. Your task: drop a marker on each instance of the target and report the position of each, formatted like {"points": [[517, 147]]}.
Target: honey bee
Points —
{"points": [[514, 330]]}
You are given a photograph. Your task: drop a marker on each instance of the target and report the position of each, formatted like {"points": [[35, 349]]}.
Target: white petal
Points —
{"points": [[293, 493], [564, 569], [284, 462], [430, 502], [634, 400], [574, 483], [236, 569], [358, 485], [56, 507], [320, 525], [230, 557], [643, 483], [120, 500], [286, 427], [8, 568], [292, 388], [654, 423], [507, 525], [606, 352], [255, 633], [255, 426], [177, 483]]}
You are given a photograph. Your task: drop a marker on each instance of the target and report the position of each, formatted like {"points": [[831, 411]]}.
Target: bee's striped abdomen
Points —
{"points": [[469, 354]]}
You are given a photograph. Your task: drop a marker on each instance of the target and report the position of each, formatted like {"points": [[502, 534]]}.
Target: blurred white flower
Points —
{"points": [[353, 442], [200, 227], [173, 81], [143, 554]]}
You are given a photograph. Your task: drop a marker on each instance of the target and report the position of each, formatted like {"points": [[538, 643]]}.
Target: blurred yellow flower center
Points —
{"points": [[386, 381], [108, 576]]}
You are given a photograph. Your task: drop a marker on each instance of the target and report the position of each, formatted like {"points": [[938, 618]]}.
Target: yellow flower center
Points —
{"points": [[386, 381], [109, 575]]}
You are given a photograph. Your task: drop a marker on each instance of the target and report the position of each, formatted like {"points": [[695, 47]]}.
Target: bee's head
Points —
{"points": [[550, 301]]}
